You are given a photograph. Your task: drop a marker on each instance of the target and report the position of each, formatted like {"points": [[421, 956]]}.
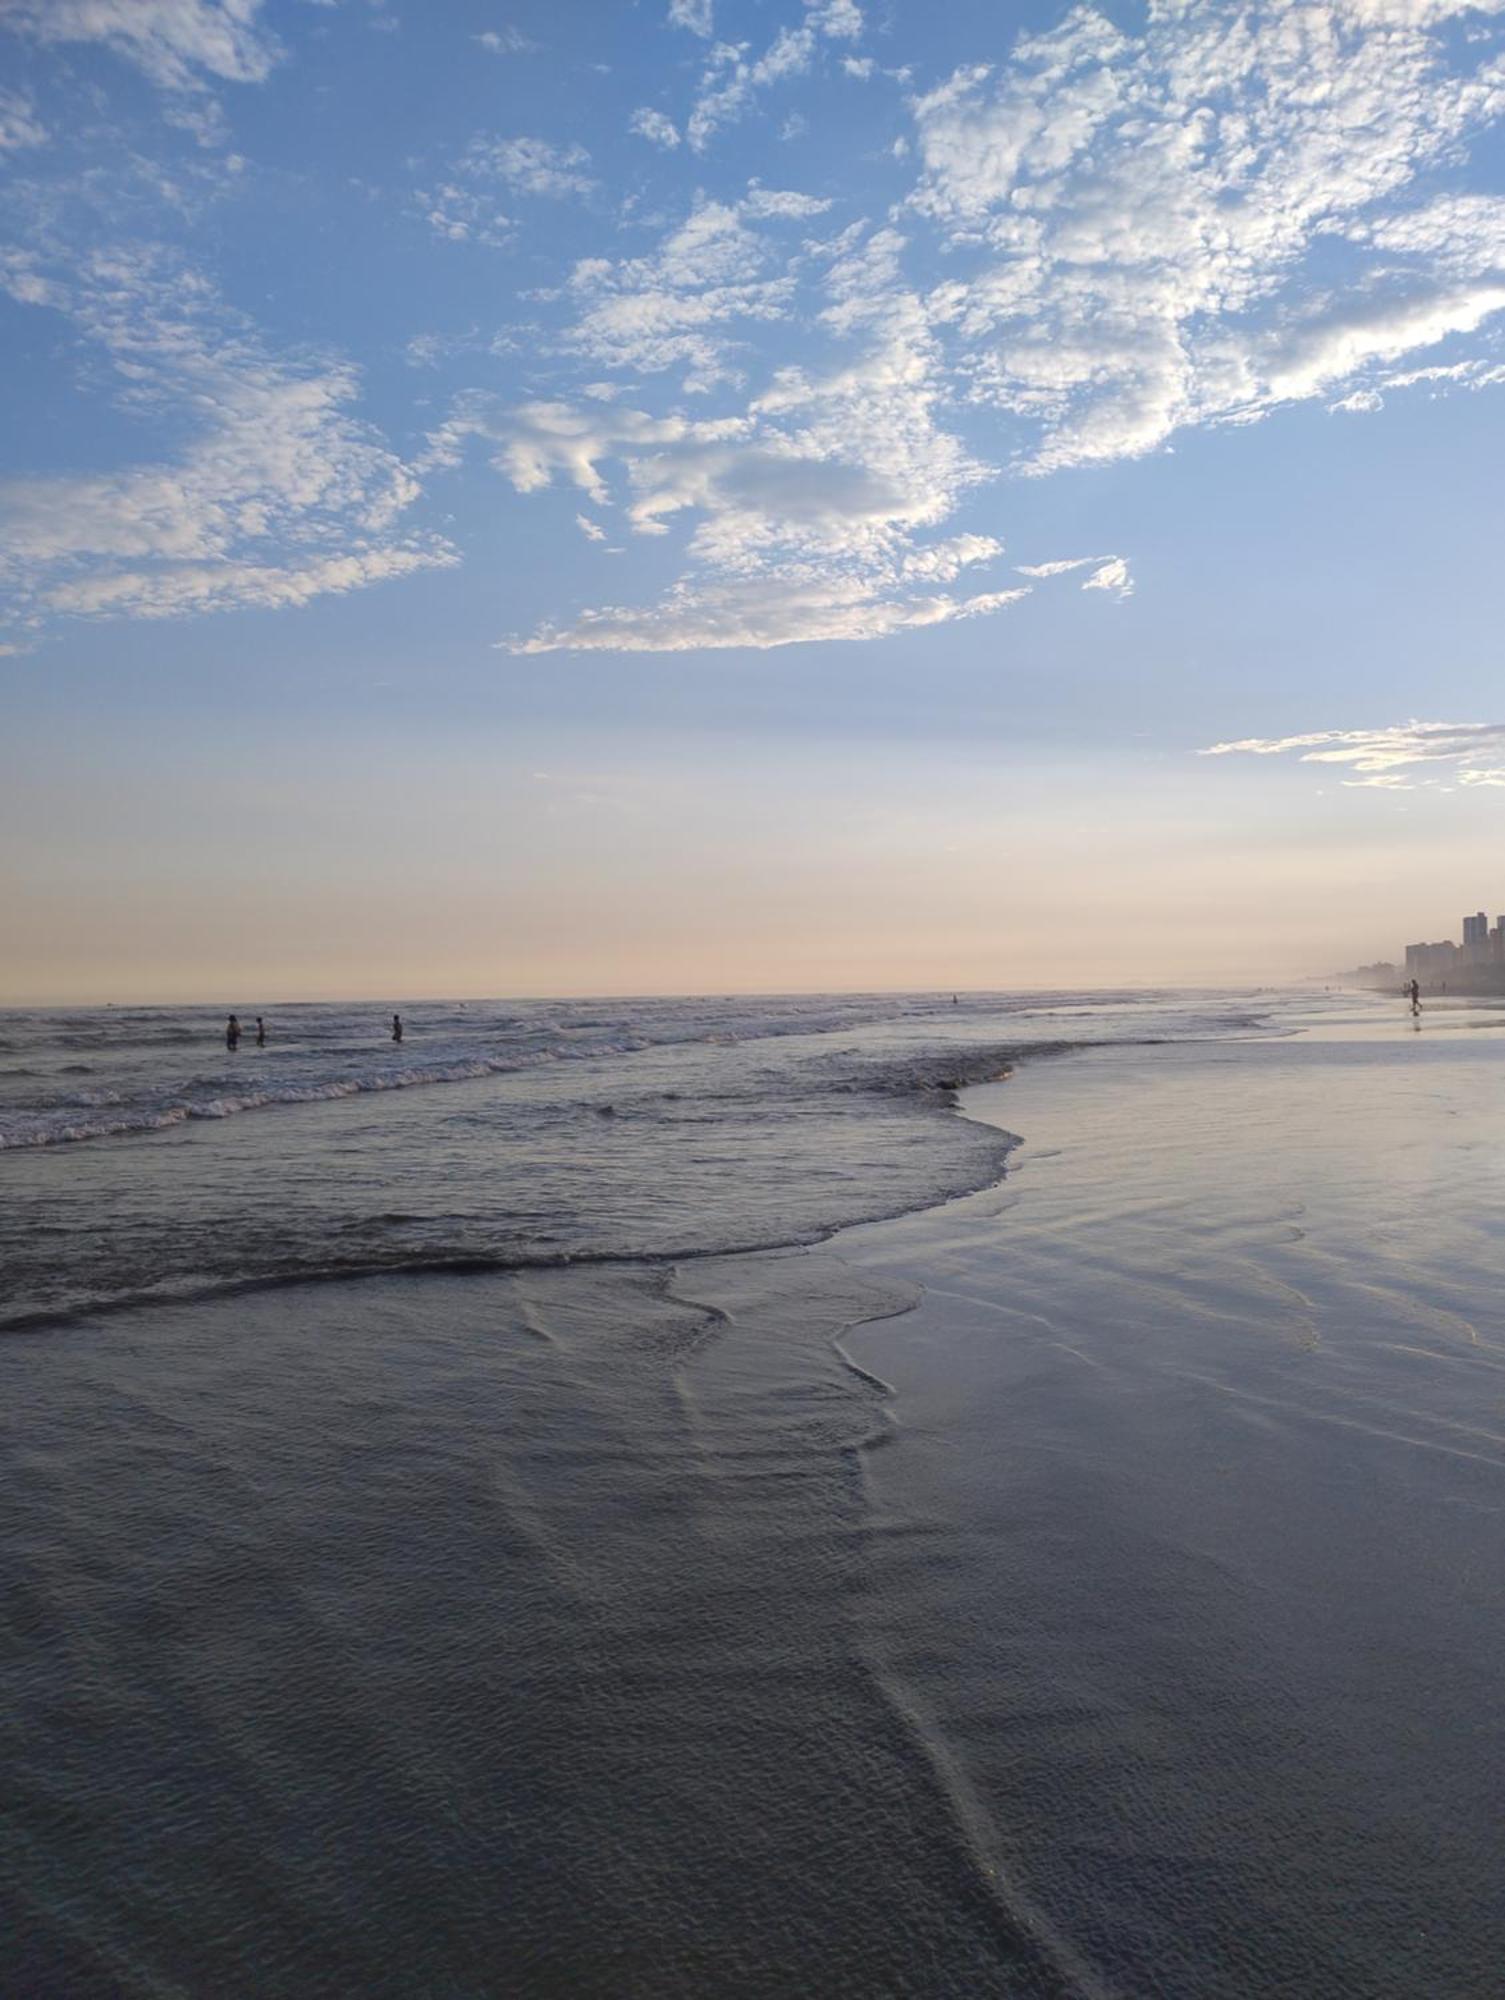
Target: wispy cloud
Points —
{"points": [[695, 15], [461, 213], [531, 166], [654, 127], [1110, 573], [840, 19], [733, 80], [19, 124], [178, 43], [678, 307], [1405, 756], [508, 41], [467, 206], [784, 610], [280, 494]]}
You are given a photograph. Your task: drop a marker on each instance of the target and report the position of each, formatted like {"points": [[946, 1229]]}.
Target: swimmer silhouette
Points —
{"points": [[397, 1027]]}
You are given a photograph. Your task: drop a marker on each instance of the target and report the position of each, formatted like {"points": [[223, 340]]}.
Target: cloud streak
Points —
{"points": [[783, 610], [1404, 756]]}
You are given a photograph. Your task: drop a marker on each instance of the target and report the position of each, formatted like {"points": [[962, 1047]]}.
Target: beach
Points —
{"points": [[1081, 1579]]}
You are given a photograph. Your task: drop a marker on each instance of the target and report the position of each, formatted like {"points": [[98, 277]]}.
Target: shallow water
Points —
{"points": [[494, 1136], [1089, 1586]]}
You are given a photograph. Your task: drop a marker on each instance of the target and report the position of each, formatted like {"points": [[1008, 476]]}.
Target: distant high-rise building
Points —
{"points": [[1431, 961], [1476, 939]]}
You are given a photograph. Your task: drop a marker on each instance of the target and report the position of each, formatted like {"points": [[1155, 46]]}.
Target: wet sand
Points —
{"points": [[1202, 1440]]}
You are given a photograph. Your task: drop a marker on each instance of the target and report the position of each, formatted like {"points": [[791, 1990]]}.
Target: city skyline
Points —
{"points": [[1483, 945]]}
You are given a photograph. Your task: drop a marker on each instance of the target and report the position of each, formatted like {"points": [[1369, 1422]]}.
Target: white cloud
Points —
{"points": [[810, 510], [531, 166], [806, 514], [463, 214], [174, 590], [655, 127], [784, 610], [1193, 223], [508, 41], [19, 123], [692, 14], [1113, 576], [731, 83], [762, 203], [676, 308], [1457, 371], [465, 208], [1363, 402], [943, 562], [1402, 756], [278, 495], [179, 43], [1110, 573], [534, 442], [840, 19], [732, 79], [1060, 566], [591, 530], [1465, 233], [1149, 227], [1303, 358]]}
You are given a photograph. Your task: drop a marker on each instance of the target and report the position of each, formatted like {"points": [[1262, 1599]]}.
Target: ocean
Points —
{"points": [[142, 1160], [851, 1495]]}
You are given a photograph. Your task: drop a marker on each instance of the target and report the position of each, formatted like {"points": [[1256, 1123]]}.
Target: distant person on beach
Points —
{"points": [[261, 1033], [1415, 997], [232, 1033], [397, 1027]]}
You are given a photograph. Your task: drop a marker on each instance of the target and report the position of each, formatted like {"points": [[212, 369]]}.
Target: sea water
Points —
{"points": [[140, 1158]]}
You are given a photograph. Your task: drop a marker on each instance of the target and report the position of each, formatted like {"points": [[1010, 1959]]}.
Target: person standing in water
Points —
{"points": [[397, 1027], [1415, 997], [261, 1032], [232, 1033]]}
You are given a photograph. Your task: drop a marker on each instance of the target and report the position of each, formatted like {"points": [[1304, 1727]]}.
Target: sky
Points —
{"points": [[744, 495]]}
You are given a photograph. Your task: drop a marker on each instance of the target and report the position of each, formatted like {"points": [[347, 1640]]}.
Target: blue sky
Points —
{"points": [[745, 492]]}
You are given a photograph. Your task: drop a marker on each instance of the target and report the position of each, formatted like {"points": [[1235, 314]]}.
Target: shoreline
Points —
{"points": [[991, 1066], [480, 1264]]}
